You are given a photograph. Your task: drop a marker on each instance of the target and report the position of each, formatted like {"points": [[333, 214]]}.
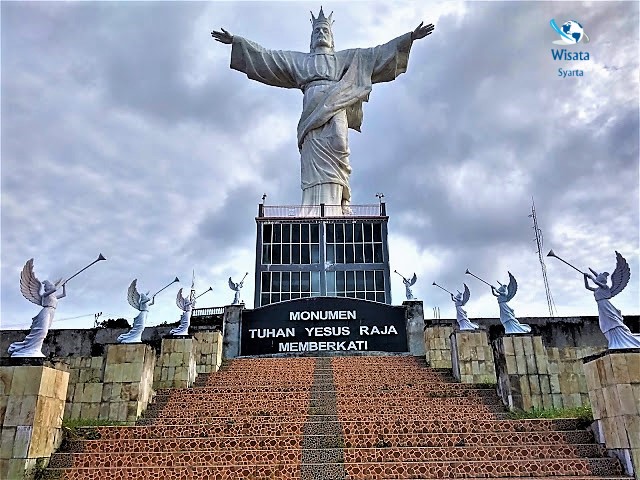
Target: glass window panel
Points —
{"points": [[380, 297], [379, 278], [285, 282], [330, 233], [276, 258], [275, 297], [369, 280], [286, 254], [295, 253], [277, 233], [348, 253], [286, 233], [295, 282], [341, 294], [331, 253], [340, 282], [315, 294], [377, 253], [305, 257], [377, 232], [360, 280], [264, 285], [315, 281], [357, 232], [285, 296], [305, 295], [351, 280], [304, 233], [359, 255], [295, 233], [266, 233], [360, 295], [305, 281], [315, 233], [331, 283], [266, 254], [368, 253], [348, 233], [315, 253], [275, 281], [295, 295], [368, 232], [339, 253], [264, 300], [339, 232], [370, 296], [351, 294]]}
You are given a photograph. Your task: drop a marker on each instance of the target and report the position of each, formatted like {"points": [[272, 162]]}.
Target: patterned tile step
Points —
{"points": [[470, 453], [450, 403], [184, 444], [196, 406], [419, 392], [439, 411], [176, 459], [293, 389], [256, 419], [254, 472], [488, 469], [467, 439], [406, 425], [255, 428]]}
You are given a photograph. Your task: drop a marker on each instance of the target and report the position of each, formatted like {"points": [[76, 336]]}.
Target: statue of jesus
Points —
{"points": [[334, 85]]}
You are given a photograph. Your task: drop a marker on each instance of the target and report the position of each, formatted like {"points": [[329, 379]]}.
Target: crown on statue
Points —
{"points": [[321, 19]]}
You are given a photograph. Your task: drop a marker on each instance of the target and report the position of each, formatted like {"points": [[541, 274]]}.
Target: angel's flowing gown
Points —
{"points": [[31, 346]]}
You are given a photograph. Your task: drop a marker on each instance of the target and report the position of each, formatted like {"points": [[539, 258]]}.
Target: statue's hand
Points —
{"points": [[223, 36], [422, 31]]}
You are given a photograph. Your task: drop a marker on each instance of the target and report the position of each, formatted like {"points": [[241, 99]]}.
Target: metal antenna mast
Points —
{"points": [[539, 243]]}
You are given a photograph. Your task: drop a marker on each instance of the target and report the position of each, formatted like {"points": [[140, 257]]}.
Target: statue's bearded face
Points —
{"points": [[321, 36]]}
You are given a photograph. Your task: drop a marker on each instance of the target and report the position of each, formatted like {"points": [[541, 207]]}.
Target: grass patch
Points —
{"points": [[583, 413]]}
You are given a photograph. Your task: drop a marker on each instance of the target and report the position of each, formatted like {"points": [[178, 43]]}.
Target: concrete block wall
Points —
{"points": [[472, 357], [438, 346], [176, 365]]}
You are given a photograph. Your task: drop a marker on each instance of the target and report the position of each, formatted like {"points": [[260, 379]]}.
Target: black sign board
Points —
{"points": [[323, 324]]}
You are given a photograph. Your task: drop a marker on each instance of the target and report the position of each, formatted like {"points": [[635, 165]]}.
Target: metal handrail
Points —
{"points": [[204, 312], [320, 211]]}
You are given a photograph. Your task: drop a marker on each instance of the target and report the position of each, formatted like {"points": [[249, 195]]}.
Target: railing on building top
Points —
{"points": [[320, 211], [205, 312]]}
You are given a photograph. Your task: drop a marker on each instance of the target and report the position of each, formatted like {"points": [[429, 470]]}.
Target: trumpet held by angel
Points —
{"points": [[30, 287]]}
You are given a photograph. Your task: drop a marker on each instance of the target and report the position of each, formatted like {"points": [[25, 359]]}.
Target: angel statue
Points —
{"points": [[408, 284], [507, 316], [236, 288], [141, 302], [461, 315], [610, 318], [30, 287], [186, 304]]}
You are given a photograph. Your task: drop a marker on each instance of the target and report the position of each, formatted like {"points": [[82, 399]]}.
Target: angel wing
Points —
{"points": [[620, 276], [181, 301], [29, 284], [413, 279], [232, 285], [466, 294], [512, 288], [133, 296]]}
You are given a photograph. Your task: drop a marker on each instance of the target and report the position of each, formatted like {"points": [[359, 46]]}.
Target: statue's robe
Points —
{"points": [[334, 87]]}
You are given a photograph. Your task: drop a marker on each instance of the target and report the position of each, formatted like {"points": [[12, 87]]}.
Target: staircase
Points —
{"points": [[329, 418]]}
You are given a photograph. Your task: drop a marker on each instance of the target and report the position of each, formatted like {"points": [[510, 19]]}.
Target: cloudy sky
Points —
{"points": [[125, 132]]}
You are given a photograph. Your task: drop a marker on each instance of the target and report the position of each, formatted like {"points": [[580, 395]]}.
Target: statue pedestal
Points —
{"points": [[613, 379], [176, 366], [415, 326], [472, 357], [32, 399], [438, 346], [128, 381]]}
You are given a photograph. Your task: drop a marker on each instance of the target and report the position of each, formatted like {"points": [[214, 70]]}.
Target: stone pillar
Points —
{"points": [[613, 379], [128, 381], [231, 330], [176, 366], [32, 398], [438, 346], [208, 351], [523, 374], [84, 394], [414, 317], [472, 357]]}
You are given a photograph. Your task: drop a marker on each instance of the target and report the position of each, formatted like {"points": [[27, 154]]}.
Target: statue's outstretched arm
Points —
{"points": [[223, 36], [586, 283], [493, 291], [421, 31], [64, 291]]}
